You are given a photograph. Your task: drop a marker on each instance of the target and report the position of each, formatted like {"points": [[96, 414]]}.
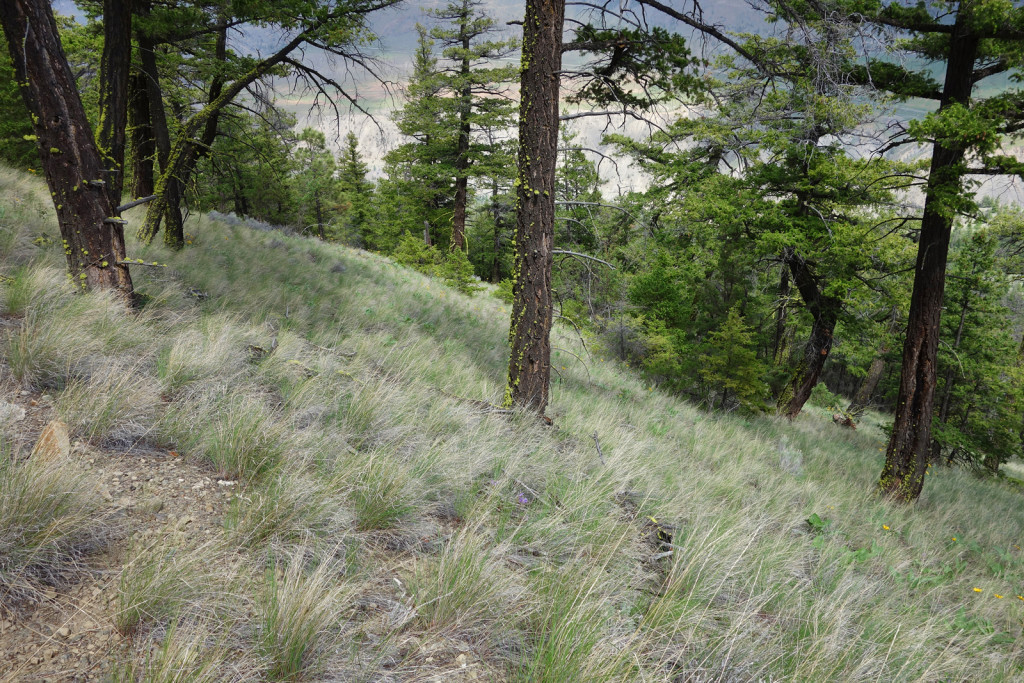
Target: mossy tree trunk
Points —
{"points": [[906, 459], [70, 159], [529, 368], [187, 151]]}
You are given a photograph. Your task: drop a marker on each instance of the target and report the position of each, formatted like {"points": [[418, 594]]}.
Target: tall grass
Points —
{"points": [[51, 517], [351, 401]]}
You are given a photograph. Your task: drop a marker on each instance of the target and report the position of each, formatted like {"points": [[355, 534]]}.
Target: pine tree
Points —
{"points": [[979, 393], [731, 364], [355, 192], [456, 102], [315, 182]]}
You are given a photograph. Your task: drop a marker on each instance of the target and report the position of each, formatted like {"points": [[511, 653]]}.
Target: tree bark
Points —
{"points": [[780, 316], [906, 459], [115, 64], [947, 379], [496, 213], [875, 371], [529, 369], [70, 159], [825, 314], [462, 146], [867, 388], [140, 136]]}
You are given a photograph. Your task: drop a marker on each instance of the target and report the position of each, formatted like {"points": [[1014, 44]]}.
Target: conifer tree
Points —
{"points": [[71, 162], [315, 181], [355, 192], [979, 391], [731, 364], [455, 99]]}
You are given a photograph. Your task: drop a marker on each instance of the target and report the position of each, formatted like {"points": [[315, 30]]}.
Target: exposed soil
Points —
{"points": [[68, 633]]}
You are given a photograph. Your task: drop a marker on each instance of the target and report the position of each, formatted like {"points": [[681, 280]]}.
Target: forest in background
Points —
{"points": [[771, 257]]}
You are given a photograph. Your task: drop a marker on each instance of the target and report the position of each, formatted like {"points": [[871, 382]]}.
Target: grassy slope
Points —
{"points": [[345, 392]]}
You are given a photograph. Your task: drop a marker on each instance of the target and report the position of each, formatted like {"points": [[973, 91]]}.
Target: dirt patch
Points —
{"points": [[67, 633]]}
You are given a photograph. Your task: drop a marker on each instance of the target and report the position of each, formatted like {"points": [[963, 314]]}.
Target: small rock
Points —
{"points": [[53, 443], [10, 412], [63, 632], [461, 661]]}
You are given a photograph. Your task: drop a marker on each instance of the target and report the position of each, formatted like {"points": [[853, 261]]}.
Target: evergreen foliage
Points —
{"points": [[731, 365]]}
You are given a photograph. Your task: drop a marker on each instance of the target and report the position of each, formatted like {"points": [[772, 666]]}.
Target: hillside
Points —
{"points": [[288, 465]]}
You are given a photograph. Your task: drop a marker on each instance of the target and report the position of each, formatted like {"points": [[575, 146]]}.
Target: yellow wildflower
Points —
{"points": [[977, 590]]}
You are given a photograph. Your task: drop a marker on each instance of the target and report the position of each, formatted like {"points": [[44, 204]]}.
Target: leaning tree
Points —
{"points": [[74, 169]]}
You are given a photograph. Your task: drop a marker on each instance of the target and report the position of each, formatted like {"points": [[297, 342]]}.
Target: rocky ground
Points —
{"points": [[67, 634]]}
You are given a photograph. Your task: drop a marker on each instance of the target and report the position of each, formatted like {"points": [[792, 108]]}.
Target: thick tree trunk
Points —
{"points": [[115, 64], [70, 160], [825, 314], [529, 367], [906, 460], [140, 136]]}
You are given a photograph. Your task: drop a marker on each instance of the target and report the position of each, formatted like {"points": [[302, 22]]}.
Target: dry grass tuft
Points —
{"points": [[51, 517]]}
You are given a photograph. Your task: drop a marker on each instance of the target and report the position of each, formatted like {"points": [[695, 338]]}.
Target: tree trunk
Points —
{"points": [[115, 63], [496, 262], [462, 147], [780, 316], [947, 379], [319, 215], [906, 460], [529, 367], [141, 140], [186, 156], [183, 154], [875, 371], [70, 160], [867, 388], [825, 314], [170, 191]]}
